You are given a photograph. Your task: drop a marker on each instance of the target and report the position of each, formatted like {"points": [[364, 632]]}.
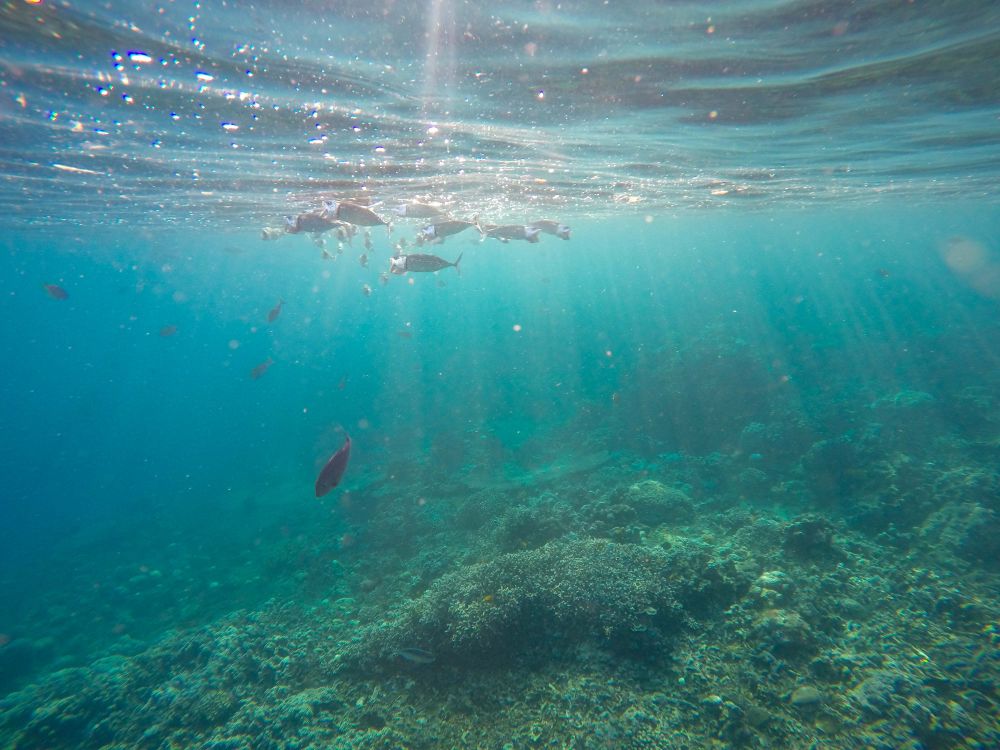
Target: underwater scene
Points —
{"points": [[443, 374]]}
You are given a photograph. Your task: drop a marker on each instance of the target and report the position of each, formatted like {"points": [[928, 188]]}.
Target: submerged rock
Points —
{"points": [[806, 696]]}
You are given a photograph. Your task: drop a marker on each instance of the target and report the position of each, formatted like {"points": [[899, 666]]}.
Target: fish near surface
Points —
{"points": [[311, 222], [421, 263], [441, 229], [334, 469], [548, 226], [359, 216], [507, 232], [417, 210]]}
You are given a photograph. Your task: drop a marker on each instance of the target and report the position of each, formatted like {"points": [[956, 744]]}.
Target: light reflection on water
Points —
{"points": [[231, 113]]}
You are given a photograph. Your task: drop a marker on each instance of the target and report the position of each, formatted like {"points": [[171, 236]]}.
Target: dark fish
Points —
{"points": [[421, 263], [415, 655], [168, 331], [261, 368], [334, 469], [552, 227], [313, 222], [507, 232], [360, 216], [275, 311], [441, 229], [55, 291]]}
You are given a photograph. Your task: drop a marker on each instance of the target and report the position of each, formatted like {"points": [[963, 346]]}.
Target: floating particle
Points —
{"points": [[230, 126], [203, 76], [139, 57], [517, 328]]}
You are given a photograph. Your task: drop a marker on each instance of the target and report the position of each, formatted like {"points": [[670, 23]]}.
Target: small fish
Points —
{"points": [[275, 311], [415, 655], [343, 383], [261, 368], [368, 241], [883, 272], [383, 278], [366, 290], [168, 331], [353, 213], [334, 469], [272, 233], [363, 260], [312, 222], [442, 229], [405, 334], [552, 227], [55, 291], [417, 210], [326, 255], [507, 232], [421, 263], [346, 233]]}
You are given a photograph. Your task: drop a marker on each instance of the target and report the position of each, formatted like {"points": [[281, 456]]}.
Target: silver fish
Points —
{"points": [[415, 655], [552, 227], [417, 210], [360, 216], [507, 232], [313, 222], [440, 230], [421, 263]]}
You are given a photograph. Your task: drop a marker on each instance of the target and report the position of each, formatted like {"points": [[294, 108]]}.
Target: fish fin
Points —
{"points": [[478, 226], [330, 207], [289, 223], [457, 261]]}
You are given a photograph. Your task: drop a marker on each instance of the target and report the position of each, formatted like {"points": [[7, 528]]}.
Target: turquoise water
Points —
{"points": [[766, 363]]}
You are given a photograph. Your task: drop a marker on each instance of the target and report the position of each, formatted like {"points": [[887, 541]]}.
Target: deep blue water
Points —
{"points": [[782, 213]]}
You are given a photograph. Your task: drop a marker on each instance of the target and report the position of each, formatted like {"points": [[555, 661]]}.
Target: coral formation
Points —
{"points": [[626, 597]]}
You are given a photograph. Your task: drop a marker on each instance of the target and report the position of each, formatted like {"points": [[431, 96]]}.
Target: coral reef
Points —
{"points": [[627, 597]]}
